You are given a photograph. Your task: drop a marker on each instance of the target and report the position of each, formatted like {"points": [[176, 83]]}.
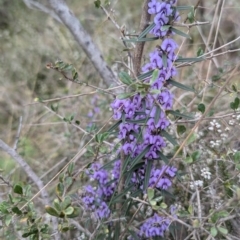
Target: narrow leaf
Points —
{"points": [[125, 95], [180, 33], [198, 59], [169, 138], [147, 174], [184, 8], [157, 115], [123, 193], [163, 157], [178, 114], [125, 78], [114, 126], [146, 30], [179, 85], [145, 75], [140, 156]]}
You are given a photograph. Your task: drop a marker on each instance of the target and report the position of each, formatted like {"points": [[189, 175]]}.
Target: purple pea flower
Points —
{"points": [[154, 7], [169, 45]]}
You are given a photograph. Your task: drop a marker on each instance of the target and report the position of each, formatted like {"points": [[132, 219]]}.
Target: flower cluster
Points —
{"points": [[95, 199], [154, 226], [140, 139]]}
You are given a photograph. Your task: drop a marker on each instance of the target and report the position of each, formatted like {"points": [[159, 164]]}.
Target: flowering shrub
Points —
{"points": [[135, 180]]}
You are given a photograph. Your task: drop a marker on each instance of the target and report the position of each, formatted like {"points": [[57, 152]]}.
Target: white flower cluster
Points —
{"points": [[231, 122], [216, 143], [197, 183], [238, 117], [215, 125], [205, 173]]}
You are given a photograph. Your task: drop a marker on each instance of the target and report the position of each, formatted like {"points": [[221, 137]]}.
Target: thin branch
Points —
{"points": [[138, 51], [83, 39], [18, 134]]}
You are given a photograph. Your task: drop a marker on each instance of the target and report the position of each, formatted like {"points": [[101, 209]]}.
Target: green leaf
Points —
{"points": [[52, 211], [214, 231], [147, 174], [237, 157], [145, 75], [137, 121], [76, 212], [234, 88], [165, 27], [157, 115], [222, 230], [178, 114], [164, 59], [180, 33], [97, 3], [16, 210], [18, 189], [169, 137], [8, 220], [192, 138], [163, 157], [125, 95], [215, 78], [146, 30], [113, 127], [179, 85], [154, 76], [60, 189], [69, 211], [125, 78], [119, 196], [66, 202], [196, 155], [191, 16], [188, 160], [184, 8], [71, 168], [201, 107], [234, 105], [198, 59], [181, 129], [150, 193], [139, 157], [56, 204], [200, 52], [163, 205], [136, 40]]}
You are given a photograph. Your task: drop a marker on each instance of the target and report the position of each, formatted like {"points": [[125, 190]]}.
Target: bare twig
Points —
{"points": [[83, 39], [18, 134]]}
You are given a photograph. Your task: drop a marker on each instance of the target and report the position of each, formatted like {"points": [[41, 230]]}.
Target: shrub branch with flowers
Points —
{"points": [[150, 185]]}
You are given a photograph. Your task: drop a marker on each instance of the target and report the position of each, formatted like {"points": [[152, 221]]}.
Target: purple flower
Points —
{"points": [[102, 211], [169, 45], [100, 175], [154, 7], [116, 169], [171, 171], [161, 20], [156, 60], [127, 148], [154, 226]]}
